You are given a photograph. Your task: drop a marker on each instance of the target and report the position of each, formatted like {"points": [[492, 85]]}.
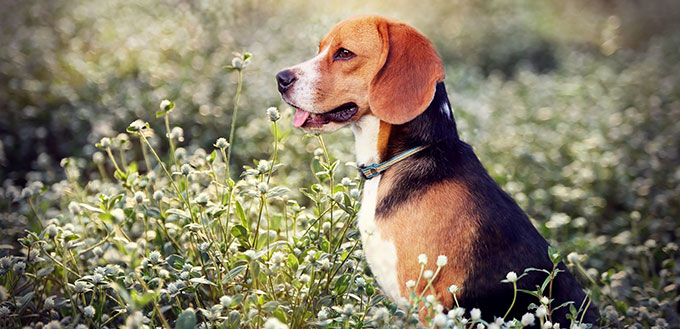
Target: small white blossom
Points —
{"points": [[422, 259], [89, 311], [348, 309], [475, 314], [541, 312], [165, 103], [225, 301], [527, 319], [440, 320], [304, 278], [410, 284], [273, 114], [354, 193], [186, 169], [545, 300], [574, 258], [547, 325], [274, 323], [512, 276], [453, 288], [154, 256], [139, 196], [428, 274], [221, 143], [430, 299], [441, 260]]}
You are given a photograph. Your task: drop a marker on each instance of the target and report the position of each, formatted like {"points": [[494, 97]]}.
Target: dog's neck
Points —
{"points": [[377, 141]]}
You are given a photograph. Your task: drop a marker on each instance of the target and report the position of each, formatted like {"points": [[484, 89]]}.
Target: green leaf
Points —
{"points": [[239, 231], [25, 299], [293, 262], [342, 284], [186, 320], [240, 213], [45, 271], [236, 271], [270, 306], [202, 280], [279, 314]]}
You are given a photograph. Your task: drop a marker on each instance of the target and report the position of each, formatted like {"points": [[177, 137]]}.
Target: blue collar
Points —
{"points": [[375, 169]]}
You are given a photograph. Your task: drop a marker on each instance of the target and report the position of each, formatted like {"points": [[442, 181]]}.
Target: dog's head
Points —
{"points": [[365, 65]]}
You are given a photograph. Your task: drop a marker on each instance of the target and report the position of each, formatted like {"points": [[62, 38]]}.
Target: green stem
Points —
{"points": [[233, 116], [514, 297]]}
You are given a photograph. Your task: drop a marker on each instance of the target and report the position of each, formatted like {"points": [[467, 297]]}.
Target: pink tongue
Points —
{"points": [[300, 118]]}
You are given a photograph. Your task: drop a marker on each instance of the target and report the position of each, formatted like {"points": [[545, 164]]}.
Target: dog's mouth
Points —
{"points": [[342, 113]]}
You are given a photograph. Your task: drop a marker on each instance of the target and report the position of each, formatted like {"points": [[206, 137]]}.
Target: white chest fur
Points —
{"points": [[380, 252]]}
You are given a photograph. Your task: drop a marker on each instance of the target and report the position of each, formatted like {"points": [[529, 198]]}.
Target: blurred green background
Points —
{"points": [[573, 106]]}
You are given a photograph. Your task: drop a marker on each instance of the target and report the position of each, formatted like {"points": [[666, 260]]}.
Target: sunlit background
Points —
{"points": [[573, 107]]}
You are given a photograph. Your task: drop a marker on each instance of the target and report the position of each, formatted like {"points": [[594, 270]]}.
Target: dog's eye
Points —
{"points": [[343, 54]]}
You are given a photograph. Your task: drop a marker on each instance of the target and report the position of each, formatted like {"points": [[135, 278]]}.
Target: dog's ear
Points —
{"points": [[408, 73]]}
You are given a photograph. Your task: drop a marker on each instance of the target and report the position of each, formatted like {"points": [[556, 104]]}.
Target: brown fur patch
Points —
{"points": [[383, 138], [435, 223]]}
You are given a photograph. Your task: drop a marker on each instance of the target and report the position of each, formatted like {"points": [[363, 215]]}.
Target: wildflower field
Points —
{"points": [[151, 177]]}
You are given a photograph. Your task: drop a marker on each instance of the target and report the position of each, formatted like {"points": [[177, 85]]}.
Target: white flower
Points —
{"points": [[277, 257], [422, 259], [527, 319], [273, 114], [274, 323], [541, 312], [480, 326], [410, 284], [456, 313], [574, 258], [440, 320], [49, 302], [348, 309], [164, 104], [453, 289], [325, 264], [547, 325], [177, 133], [185, 169], [105, 142], [89, 311], [221, 143], [323, 314], [158, 195], [545, 300], [225, 301], [430, 299], [427, 274], [512, 276], [139, 196], [354, 193], [475, 314], [441, 260], [154, 256], [304, 278]]}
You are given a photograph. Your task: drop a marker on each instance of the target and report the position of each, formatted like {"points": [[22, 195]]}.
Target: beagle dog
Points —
{"points": [[425, 190]]}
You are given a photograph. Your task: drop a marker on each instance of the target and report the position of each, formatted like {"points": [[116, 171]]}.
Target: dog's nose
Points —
{"points": [[285, 80]]}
